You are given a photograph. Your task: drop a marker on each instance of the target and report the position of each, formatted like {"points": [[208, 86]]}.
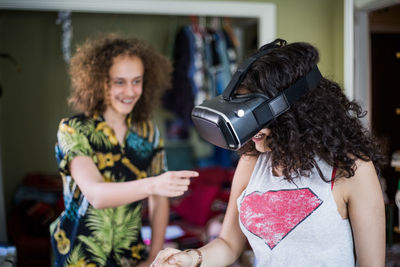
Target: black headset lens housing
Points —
{"points": [[229, 120]]}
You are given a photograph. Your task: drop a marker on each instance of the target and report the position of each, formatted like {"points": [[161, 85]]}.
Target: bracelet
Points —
{"points": [[199, 259]]}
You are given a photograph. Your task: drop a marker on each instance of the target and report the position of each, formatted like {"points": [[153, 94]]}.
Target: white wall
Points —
{"points": [[362, 81]]}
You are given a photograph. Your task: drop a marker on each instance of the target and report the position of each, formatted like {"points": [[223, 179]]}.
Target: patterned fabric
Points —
{"points": [[83, 235], [294, 224]]}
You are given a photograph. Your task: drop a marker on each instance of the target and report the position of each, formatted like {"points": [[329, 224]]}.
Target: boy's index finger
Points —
{"points": [[188, 173]]}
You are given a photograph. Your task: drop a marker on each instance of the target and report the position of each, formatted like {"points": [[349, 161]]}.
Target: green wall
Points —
{"points": [[34, 98]]}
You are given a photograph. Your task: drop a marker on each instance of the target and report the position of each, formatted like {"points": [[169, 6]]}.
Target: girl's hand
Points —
{"points": [[172, 257], [172, 183]]}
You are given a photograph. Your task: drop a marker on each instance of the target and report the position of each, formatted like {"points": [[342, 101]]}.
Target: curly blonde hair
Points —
{"points": [[89, 72]]}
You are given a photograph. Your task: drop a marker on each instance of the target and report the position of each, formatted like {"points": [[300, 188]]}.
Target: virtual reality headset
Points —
{"points": [[230, 120]]}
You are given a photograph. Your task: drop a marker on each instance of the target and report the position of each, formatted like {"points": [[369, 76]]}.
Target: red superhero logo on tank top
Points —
{"points": [[274, 214]]}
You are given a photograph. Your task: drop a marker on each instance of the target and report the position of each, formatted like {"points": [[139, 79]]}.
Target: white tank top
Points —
{"points": [[294, 224]]}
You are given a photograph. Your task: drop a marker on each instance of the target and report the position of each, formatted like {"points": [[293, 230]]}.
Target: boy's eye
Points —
{"points": [[119, 82], [137, 81]]}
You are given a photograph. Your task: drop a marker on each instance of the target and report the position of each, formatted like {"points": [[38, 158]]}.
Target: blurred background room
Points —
{"points": [[359, 44]]}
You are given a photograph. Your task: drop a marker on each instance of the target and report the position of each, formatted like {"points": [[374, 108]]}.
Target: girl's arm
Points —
{"points": [[158, 214], [228, 246], [103, 194], [367, 215]]}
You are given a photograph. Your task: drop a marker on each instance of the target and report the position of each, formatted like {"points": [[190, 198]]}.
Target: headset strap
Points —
{"points": [[274, 107], [238, 77]]}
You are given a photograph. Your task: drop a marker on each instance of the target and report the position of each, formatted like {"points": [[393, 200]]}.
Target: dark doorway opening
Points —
{"points": [[385, 69]]}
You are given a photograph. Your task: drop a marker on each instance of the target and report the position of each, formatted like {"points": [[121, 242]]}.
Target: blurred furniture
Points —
{"points": [[37, 202]]}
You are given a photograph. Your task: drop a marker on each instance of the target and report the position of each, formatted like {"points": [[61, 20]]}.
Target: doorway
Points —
{"points": [[384, 35], [385, 81], [385, 70]]}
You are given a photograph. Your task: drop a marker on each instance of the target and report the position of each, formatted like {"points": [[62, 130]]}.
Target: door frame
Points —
{"points": [[265, 13], [362, 53]]}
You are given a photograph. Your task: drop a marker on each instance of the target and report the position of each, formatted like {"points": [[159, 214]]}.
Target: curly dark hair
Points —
{"points": [[89, 72], [323, 124]]}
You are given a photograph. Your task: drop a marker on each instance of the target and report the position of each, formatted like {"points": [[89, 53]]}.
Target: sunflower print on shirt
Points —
{"points": [[83, 235]]}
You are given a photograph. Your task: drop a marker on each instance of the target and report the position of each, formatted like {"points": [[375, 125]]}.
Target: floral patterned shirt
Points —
{"points": [[83, 235]]}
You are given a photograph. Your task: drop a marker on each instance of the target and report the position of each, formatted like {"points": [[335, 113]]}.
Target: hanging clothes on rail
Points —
{"points": [[204, 60], [180, 98]]}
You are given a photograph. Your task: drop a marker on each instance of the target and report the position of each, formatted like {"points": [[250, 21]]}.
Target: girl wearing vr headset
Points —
{"points": [[111, 157], [305, 191]]}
